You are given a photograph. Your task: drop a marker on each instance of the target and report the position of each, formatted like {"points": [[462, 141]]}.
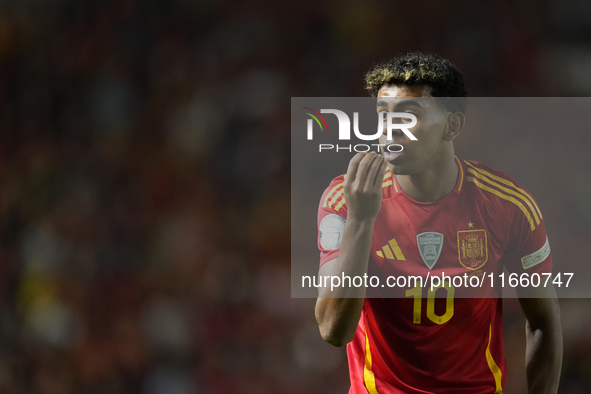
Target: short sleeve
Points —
{"points": [[528, 248], [332, 216]]}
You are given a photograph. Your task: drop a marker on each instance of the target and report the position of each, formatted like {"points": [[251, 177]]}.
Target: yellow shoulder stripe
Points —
{"points": [[506, 190], [504, 197], [461, 173], [389, 180], [368, 375], [494, 368], [508, 183], [340, 204], [332, 195]]}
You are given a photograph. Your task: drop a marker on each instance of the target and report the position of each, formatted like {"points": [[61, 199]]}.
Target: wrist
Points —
{"points": [[353, 221]]}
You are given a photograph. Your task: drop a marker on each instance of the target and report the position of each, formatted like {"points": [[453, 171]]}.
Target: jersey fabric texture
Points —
{"points": [[417, 340]]}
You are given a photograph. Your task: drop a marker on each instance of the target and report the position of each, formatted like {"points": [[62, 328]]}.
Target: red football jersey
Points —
{"points": [[408, 339]]}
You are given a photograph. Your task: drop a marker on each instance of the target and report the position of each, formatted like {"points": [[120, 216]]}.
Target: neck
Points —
{"points": [[433, 183]]}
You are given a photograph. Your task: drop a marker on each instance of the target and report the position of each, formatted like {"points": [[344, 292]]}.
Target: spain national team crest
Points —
{"points": [[472, 248], [430, 244]]}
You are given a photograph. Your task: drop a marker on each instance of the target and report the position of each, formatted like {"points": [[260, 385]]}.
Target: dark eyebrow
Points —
{"points": [[407, 102], [381, 103], [402, 103]]}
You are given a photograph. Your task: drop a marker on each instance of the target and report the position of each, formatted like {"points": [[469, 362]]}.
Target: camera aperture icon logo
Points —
{"points": [[310, 124]]}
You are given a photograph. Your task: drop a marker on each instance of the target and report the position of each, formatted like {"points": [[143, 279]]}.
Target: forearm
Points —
{"points": [[338, 309], [353, 259], [543, 357]]}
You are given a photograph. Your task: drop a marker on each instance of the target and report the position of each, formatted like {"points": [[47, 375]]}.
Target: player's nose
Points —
{"points": [[395, 132]]}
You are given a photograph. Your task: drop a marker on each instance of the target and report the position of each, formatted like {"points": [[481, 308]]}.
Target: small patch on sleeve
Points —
{"points": [[536, 257], [331, 231]]}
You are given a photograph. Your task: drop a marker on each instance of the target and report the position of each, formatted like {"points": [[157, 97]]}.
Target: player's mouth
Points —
{"points": [[393, 153]]}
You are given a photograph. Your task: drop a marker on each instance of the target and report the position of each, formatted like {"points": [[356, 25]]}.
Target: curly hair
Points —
{"points": [[416, 68]]}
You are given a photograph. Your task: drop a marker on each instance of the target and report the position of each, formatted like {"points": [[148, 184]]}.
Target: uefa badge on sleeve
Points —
{"points": [[331, 231]]}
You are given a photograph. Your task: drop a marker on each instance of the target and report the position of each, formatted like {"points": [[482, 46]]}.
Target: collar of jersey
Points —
{"points": [[392, 187]]}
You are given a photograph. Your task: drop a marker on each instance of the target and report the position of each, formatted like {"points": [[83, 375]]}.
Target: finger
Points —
{"points": [[379, 178], [353, 166], [364, 166], [374, 169]]}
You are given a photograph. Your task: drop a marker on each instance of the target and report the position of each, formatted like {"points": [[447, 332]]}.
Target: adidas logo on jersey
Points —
{"points": [[391, 251]]}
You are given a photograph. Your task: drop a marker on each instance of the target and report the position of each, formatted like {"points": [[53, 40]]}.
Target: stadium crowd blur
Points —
{"points": [[145, 179]]}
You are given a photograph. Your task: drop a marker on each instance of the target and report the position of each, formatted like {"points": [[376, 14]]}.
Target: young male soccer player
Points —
{"points": [[425, 210]]}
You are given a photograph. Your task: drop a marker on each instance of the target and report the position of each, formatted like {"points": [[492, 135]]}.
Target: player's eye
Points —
{"points": [[399, 120], [407, 119]]}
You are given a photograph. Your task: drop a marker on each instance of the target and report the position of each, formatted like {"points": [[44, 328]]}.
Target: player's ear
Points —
{"points": [[455, 123]]}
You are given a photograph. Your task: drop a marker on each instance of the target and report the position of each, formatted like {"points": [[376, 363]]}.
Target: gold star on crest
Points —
{"points": [[470, 224]]}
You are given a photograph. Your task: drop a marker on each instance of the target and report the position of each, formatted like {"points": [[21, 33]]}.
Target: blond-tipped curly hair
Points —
{"points": [[444, 79]]}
